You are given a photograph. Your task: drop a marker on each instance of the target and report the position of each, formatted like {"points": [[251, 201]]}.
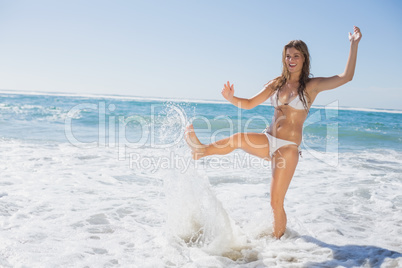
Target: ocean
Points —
{"points": [[108, 181]]}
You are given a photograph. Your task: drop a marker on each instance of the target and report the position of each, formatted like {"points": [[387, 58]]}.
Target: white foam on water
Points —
{"points": [[37, 112], [66, 206], [62, 205]]}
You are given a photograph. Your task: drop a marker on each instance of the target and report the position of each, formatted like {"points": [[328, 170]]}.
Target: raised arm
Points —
{"points": [[326, 83], [260, 97]]}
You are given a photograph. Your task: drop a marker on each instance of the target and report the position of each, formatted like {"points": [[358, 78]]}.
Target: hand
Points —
{"points": [[228, 91], [356, 36]]}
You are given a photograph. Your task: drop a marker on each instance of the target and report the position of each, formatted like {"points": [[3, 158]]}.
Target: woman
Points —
{"points": [[292, 95]]}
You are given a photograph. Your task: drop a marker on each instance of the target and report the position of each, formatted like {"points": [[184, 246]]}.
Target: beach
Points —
{"points": [[108, 181]]}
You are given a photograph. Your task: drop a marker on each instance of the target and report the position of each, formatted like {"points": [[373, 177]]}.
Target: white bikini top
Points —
{"points": [[296, 103]]}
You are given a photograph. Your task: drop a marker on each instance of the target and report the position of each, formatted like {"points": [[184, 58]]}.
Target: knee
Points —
{"points": [[276, 203]]}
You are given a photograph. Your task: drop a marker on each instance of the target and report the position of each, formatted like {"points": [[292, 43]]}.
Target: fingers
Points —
{"points": [[227, 90], [356, 35], [224, 89], [356, 29], [228, 86]]}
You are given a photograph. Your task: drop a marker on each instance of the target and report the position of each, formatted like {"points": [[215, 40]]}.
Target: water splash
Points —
{"points": [[195, 216]]}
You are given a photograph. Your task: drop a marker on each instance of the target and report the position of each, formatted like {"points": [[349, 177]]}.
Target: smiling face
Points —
{"points": [[294, 60]]}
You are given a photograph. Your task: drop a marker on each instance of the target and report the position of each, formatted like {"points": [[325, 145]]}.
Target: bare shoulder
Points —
{"points": [[269, 88], [311, 86], [261, 96], [313, 82], [319, 84], [270, 84]]}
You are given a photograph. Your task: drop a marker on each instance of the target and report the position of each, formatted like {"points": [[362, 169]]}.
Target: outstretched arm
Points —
{"points": [[260, 97], [326, 83]]}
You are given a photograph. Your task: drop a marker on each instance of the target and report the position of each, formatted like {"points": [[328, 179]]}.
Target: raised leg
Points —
{"points": [[253, 143], [284, 164]]}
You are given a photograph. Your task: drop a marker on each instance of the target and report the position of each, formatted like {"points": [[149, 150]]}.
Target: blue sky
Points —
{"points": [[188, 49]]}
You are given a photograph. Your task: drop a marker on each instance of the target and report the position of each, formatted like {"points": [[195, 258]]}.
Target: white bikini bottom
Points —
{"points": [[276, 143]]}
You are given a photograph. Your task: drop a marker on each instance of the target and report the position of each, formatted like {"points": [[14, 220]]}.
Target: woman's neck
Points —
{"points": [[294, 77]]}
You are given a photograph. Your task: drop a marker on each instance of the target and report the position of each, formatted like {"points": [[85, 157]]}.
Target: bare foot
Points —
{"points": [[197, 148]]}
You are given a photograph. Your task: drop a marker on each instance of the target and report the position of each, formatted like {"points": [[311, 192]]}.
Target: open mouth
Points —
{"points": [[292, 65]]}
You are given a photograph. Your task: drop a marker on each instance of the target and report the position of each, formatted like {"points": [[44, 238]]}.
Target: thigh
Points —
{"points": [[284, 164], [255, 144]]}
